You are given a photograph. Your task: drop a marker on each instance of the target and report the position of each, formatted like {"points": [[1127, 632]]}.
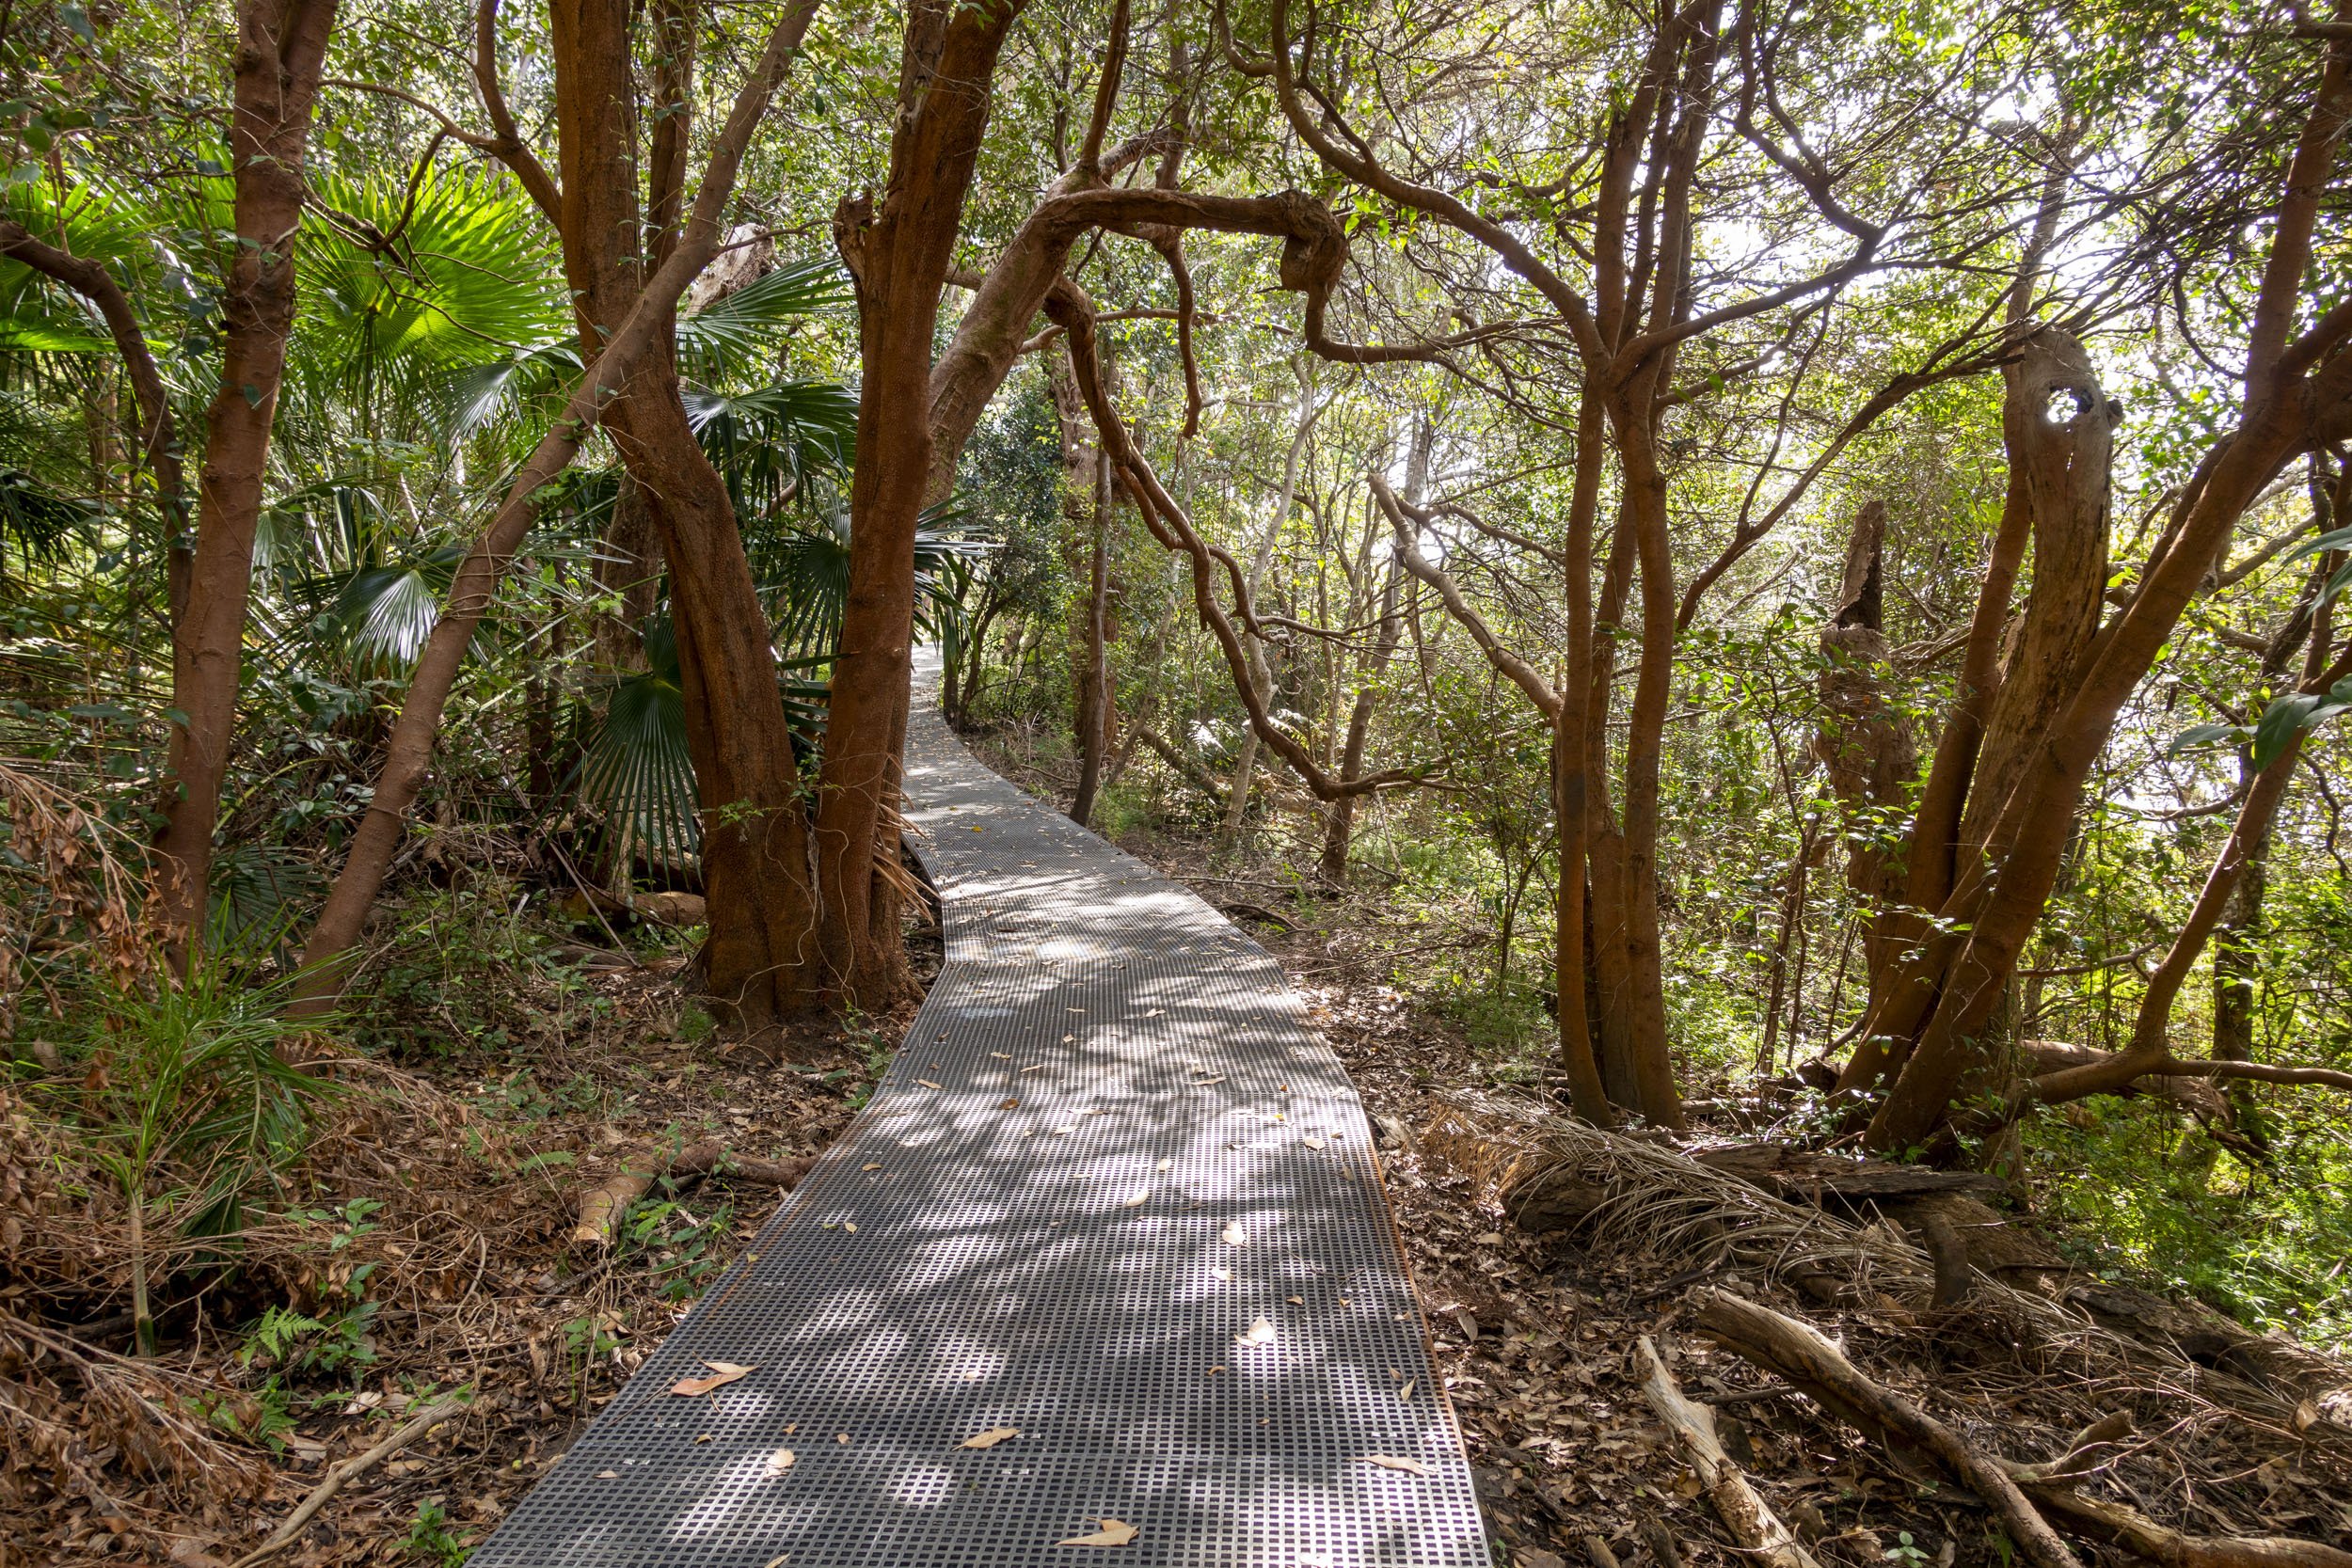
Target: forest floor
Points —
{"points": [[434, 1249]]}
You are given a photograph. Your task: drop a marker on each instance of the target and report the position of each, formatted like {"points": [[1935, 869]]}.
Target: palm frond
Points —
{"points": [[766, 444], [637, 771], [727, 338]]}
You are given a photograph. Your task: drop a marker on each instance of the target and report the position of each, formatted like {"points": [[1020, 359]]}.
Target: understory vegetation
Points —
{"points": [[1726, 575]]}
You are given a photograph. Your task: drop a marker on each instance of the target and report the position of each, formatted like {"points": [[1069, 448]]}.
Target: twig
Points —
{"points": [[350, 1470]]}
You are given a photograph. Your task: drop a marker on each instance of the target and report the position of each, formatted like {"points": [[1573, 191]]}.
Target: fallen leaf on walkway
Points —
{"points": [[975, 827], [1071, 1127], [781, 1461], [876, 1165], [1138, 1199], [1164, 1164], [1312, 1143], [1068, 1038], [1098, 1111], [1389, 1462], [1155, 1012], [840, 1436], [1218, 1368], [1261, 1333], [1234, 1235], [722, 1373], [997, 1054], [608, 1475], [850, 1225], [1296, 1301], [1222, 1274], [1407, 1392], [778, 1561], [1008, 1103], [926, 1083], [989, 1439], [701, 1437], [1113, 1533]]}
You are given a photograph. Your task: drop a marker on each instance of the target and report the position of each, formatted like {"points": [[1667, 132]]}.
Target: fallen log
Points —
{"points": [[1807, 1176], [1746, 1514], [597, 1210], [1803, 1356]]}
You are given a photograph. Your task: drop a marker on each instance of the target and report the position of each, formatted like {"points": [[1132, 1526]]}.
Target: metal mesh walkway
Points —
{"points": [[1110, 1156]]}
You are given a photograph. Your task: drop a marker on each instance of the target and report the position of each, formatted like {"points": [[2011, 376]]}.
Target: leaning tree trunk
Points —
{"points": [[281, 48], [408, 755]]}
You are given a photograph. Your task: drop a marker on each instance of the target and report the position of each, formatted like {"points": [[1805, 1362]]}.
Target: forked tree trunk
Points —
{"points": [[1339, 822], [898, 253], [1340, 819], [281, 48], [2058, 498]]}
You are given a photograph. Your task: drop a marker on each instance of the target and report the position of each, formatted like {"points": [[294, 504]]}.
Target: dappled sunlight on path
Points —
{"points": [[1109, 1149]]}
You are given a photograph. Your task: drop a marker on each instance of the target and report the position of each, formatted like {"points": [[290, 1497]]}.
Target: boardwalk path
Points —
{"points": [[1186, 1159]]}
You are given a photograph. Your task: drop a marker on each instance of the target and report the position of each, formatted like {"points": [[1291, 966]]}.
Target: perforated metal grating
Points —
{"points": [[954, 1265]]}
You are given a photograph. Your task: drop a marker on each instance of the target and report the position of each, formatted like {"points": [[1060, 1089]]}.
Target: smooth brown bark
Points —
{"points": [[898, 252], [758, 898], [281, 49]]}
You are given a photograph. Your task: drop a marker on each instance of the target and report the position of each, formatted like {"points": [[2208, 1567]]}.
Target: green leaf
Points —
{"points": [[2198, 736]]}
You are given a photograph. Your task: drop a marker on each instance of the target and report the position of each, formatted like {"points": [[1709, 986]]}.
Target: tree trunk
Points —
{"points": [[1575, 743], [1862, 740], [1244, 770], [1646, 728], [282, 47], [1338, 821], [759, 902], [899, 254], [761, 905], [1093, 716]]}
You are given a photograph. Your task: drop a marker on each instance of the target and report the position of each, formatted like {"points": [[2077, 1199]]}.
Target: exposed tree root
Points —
{"points": [[599, 1208]]}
